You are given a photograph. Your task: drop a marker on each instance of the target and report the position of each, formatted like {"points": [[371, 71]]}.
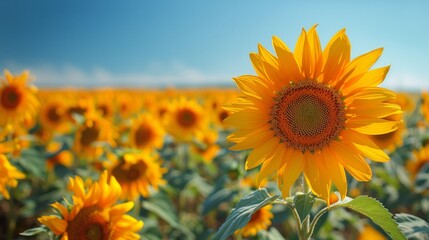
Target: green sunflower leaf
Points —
{"points": [[375, 211], [303, 204], [244, 210], [33, 231], [412, 226]]}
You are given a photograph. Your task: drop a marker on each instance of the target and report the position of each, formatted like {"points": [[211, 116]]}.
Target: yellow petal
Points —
{"points": [[362, 64], [57, 225], [260, 153], [335, 56], [316, 51], [335, 170], [271, 65], [371, 78], [288, 66], [252, 140], [364, 146], [372, 126], [369, 95], [272, 163], [290, 172], [254, 86], [353, 163], [379, 110]]}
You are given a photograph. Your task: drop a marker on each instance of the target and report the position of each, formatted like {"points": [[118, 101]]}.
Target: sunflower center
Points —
{"points": [[255, 216], [308, 115], [129, 173], [89, 135], [10, 97], [105, 111], [143, 136], [222, 115], [186, 118], [88, 225], [53, 114]]}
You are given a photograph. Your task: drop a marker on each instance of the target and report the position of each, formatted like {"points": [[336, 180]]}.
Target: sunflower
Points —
{"points": [[260, 220], [8, 176], [392, 140], [93, 135], [18, 101], [421, 158], [368, 232], [311, 111], [94, 213], [58, 156], [185, 119], [53, 116], [206, 145], [137, 173], [146, 133]]}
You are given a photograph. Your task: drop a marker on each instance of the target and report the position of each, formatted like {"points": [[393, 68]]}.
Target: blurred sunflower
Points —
{"points": [[8, 176], [93, 135], [421, 158], [311, 111], [260, 220], [185, 119], [406, 101], [369, 232], [58, 156], [206, 145], [94, 213], [137, 173], [18, 101], [52, 116], [146, 133]]}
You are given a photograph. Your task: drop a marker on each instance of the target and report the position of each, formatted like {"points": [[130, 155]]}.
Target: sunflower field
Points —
{"points": [[308, 147]]}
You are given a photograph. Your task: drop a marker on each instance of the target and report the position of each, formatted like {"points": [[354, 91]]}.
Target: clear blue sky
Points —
{"points": [[165, 43]]}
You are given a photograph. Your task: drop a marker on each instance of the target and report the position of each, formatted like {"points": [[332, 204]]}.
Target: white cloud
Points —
{"points": [[172, 75], [404, 81]]}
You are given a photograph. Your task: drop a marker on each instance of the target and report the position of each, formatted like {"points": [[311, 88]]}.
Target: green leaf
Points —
{"points": [[244, 210], [374, 210], [162, 206], [413, 227], [216, 198], [303, 204], [33, 231]]}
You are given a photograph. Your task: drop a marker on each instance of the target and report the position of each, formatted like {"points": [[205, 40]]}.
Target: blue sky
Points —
{"points": [[175, 43]]}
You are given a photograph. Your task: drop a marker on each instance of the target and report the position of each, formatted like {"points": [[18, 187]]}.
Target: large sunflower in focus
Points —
{"points": [[310, 111], [18, 101]]}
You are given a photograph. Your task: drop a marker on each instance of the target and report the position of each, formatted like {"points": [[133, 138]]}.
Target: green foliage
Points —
{"points": [[33, 231], [374, 210], [161, 205], [413, 227], [244, 210], [303, 204]]}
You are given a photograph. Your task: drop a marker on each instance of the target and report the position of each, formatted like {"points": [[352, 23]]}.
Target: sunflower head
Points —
{"points": [[260, 220], [146, 133], [18, 101], [94, 213], [185, 119], [137, 173], [311, 111], [94, 132]]}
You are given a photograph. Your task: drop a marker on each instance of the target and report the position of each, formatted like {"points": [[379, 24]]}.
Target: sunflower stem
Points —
{"points": [[137, 207]]}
